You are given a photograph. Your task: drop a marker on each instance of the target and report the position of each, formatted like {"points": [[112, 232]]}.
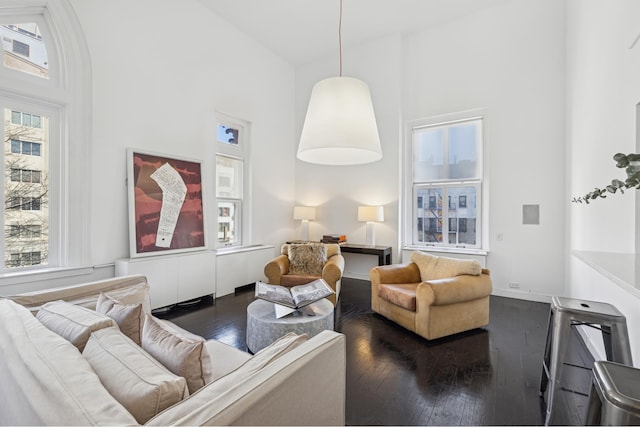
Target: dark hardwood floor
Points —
{"points": [[488, 376]]}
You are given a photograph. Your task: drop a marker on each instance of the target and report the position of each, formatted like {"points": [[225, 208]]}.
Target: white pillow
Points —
{"points": [[72, 322], [128, 316], [134, 378], [183, 353]]}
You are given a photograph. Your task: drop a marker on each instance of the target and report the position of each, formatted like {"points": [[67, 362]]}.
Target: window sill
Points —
{"points": [[27, 276], [464, 251], [239, 249]]}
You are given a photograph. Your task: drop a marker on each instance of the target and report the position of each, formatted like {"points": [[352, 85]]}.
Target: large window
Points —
{"points": [[232, 157], [445, 184], [45, 111]]}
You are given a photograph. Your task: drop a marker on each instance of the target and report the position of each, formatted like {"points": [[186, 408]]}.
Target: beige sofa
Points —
{"points": [[46, 380]]}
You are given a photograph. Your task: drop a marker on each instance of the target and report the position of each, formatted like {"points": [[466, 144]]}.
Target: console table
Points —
{"points": [[383, 252]]}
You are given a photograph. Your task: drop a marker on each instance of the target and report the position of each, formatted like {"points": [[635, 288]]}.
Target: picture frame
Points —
{"points": [[166, 206]]}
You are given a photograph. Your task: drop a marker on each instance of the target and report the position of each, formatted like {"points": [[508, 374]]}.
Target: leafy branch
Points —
{"points": [[631, 163]]}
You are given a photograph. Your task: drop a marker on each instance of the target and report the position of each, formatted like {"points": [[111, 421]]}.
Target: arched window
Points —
{"points": [[45, 110]]}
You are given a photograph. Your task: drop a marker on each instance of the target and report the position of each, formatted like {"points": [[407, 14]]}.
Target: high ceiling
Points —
{"points": [[302, 30]]}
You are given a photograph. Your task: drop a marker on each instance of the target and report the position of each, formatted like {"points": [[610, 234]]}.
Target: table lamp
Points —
{"points": [[370, 214], [304, 213]]}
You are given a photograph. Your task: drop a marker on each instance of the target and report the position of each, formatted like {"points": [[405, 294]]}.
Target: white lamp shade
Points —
{"points": [[340, 127], [370, 213], [304, 212]]}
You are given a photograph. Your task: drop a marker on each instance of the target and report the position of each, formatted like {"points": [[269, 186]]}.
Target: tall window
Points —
{"points": [[446, 182], [232, 157], [45, 111]]}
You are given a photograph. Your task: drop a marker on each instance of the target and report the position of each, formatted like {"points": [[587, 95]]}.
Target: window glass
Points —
{"points": [[228, 177], [229, 194], [228, 135], [24, 49], [447, 178], [26, 188]]}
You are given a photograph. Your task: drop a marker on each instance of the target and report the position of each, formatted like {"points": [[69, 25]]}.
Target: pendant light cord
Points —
{"points": [[340, 38]]}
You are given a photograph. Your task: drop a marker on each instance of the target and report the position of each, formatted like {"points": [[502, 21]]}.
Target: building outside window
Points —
{"points": [[446, 170]]}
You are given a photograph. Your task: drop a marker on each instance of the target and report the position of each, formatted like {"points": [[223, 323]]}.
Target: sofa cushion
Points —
{"points": [[197, 404], [436, 267], [181, 352], [138, 381], [403, 295], [307, 258], [72, 322], [129, 317], [44, 380]]}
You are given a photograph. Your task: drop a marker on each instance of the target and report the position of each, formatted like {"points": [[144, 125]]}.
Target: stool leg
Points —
{"points": [[561, 332], [606, 339], [620, 347], [594, 407], [544, 378]]}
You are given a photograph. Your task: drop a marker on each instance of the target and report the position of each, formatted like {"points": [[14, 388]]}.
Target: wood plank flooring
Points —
{"points": [[488, 376]]}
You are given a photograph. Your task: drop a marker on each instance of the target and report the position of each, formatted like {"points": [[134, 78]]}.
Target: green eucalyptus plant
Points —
{"points": [[631, 163]]}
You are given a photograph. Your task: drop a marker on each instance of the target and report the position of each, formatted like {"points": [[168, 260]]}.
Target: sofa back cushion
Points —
{"points": [[44, 380], [436, 267], [139, 382], [182, 352], [72, 322], [132, 289]]}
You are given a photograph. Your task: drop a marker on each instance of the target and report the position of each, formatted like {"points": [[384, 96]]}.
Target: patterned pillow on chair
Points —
{"points": [[307, 258]]}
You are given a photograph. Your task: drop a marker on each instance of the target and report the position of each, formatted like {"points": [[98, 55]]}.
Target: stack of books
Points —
{"points": [[334, 238]]}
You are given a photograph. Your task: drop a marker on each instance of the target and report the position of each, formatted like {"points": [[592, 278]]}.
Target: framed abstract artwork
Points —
{"points": [[166, 210]]}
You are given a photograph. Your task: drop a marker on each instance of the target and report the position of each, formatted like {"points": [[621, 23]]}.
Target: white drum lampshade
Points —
{"points": [[340, 127]]}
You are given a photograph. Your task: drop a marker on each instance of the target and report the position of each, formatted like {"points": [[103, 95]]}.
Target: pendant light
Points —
{"points": [[340, 127]]}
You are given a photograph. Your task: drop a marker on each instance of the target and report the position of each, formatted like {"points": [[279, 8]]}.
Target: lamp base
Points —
{"points": [[371, 234], [304, 230]]}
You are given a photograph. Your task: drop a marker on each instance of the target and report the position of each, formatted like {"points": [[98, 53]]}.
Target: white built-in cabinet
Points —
{"points": [[174, 278], [241, 267]]}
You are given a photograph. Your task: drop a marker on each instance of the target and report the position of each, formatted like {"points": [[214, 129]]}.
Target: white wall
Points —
{"points": [[498, 59], [158, 89], [603, 90]]}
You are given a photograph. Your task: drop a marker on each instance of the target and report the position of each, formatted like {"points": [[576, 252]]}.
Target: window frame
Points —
{"points": [[239, 151], [64, 97], [409, 228]]}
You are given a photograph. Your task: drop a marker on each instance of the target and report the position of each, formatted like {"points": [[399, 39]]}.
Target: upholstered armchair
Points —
{"points": [[300, 263], [432, 296]]}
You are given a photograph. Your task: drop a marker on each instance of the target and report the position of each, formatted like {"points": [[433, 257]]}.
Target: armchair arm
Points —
{"points": [[396, 273], [332, 270], [459, 288], [276, 268]]}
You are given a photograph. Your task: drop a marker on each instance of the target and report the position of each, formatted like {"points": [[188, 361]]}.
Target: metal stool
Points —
{"points": [[567, 312], [615, 395]]}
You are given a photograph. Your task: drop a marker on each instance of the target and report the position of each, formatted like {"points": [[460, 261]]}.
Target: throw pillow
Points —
{"points": [[72, 322], [307, 259], [128, 316], [181, 352], [134, 378], [434, 267], [191, 412]]}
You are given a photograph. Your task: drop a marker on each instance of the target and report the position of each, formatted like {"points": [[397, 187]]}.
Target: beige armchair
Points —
{"points": [[327, 263], [433, 308]]}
